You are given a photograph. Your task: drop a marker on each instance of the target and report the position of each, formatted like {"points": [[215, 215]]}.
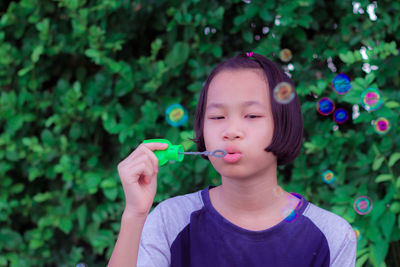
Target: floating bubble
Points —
{"points": [[371, 99], [362, 205], [277, 191], [357, 233], [340, 115], [325, 106], [176, 115], [382, 126], [328, 176], [285, 55], [283, 93], [289, 214], [341, 84]]}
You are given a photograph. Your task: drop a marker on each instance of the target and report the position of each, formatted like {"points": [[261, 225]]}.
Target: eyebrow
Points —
{"points": [[245, 104]]}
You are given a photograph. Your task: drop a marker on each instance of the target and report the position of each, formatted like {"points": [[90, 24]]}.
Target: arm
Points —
{"points": [[138, 175], [346, 256], [125, 252]]}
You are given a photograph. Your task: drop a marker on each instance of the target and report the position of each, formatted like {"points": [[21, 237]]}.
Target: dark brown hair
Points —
{"points": [[288, 130]]}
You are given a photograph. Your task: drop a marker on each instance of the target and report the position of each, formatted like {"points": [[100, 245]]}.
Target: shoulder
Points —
{"points": [[325, 220], [173, 214], [185, 203], [338, 232], [163, 225]]}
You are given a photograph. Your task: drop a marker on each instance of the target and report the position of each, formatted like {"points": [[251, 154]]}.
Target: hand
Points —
{"points": [[138, 174]]}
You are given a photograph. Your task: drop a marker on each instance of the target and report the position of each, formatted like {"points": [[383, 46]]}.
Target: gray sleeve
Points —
{"points": [[342, 240], [154, 249], [162, 226], [346, 255]]}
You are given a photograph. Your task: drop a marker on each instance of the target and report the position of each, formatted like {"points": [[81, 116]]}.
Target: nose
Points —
{"points": [[232, 131]]}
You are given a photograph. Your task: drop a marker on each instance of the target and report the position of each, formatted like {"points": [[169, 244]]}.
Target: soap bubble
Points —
{"points": [[278, 191], [358, 233], [341, 84], [362, 205], [283, 93], [325, 106], [176, 115], [289, 214], [371, 99], [340, 115], [328, 176], [382, 126], [285, 55]]}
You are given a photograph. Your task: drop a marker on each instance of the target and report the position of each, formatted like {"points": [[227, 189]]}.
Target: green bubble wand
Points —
{"points": [[177, 153]]}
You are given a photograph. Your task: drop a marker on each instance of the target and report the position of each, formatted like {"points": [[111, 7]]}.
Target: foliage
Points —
{"points": [[84, 82]]}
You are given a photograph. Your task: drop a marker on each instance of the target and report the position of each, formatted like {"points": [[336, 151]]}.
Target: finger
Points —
{"points": [[148, 148], [146, 155], [141, 171], [155, 146], [152, 158]]}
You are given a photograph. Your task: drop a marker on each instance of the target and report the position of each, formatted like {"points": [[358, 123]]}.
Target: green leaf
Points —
{"points": [[81, 214], [247, 36], [395, 207], [41, 197], [108, 183], [178, 55], [217, 51], [377, 162], [387, 222], [37, 51], [392, 104], [347, 57], [383, 178], [266, 15], [378, 252], [35, 243], [65, 224], [379, 208], [361, 260], [111, 193], [370, 78], [10, 239], [394, 158]]}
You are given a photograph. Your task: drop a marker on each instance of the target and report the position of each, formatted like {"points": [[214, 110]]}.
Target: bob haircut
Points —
{"points": [[288, 123]]}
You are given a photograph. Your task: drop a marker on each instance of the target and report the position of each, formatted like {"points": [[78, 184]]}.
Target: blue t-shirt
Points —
{"points": [[188, 231]]}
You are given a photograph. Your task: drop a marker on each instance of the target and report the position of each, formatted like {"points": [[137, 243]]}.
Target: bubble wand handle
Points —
{"points": [[170, 153], [176, 152]]}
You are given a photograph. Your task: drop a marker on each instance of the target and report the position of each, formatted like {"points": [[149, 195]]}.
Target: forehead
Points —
{"points": [[238, 87]]}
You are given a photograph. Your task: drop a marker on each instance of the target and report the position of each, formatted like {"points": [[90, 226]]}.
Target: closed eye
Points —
{"points": [[251, 116]]}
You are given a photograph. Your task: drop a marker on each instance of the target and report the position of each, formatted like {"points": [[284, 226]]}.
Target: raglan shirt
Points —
{"points": [[188, 231]]}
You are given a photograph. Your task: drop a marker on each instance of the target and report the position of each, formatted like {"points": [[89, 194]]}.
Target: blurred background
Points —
{"points": [[83, 83]]}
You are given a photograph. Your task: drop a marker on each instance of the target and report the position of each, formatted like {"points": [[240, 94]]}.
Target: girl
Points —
{"points": [[248, 220]]}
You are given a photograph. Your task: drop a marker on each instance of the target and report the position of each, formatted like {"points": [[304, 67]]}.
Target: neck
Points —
{"points": [[252, 195]]}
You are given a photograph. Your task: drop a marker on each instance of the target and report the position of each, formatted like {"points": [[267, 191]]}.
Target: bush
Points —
{"points": [[83, 83]]}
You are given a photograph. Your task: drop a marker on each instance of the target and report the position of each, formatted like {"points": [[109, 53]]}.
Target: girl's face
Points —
{"points": [[238, 117]]}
